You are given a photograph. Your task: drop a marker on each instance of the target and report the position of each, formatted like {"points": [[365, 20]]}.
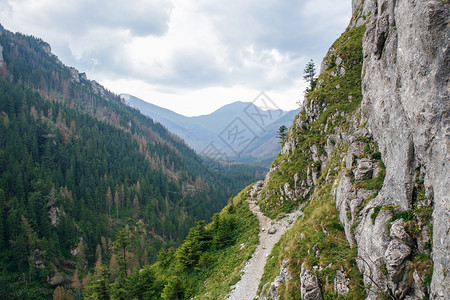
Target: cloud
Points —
{"points": [[180, 45], [77, 17]]}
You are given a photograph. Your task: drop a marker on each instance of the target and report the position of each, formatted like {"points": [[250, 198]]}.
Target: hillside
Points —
{"points": [[366, 162], [207, 131], [77, 165], [363, 172]]}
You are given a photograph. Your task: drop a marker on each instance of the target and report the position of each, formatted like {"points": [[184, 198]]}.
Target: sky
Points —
{"points": [[191, 56]]}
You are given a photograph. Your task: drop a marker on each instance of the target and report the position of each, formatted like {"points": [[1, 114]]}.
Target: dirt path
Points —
{"points": [[247, 287]]}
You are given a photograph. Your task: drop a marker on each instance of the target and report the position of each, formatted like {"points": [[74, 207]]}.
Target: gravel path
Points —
{"points": [[247, 287]]}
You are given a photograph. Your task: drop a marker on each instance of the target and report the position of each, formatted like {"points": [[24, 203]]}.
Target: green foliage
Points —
{"points": [[197, 241], [310, 75], [209, 260], [375, 213], [120, 247], [376, 155], [338, 106], [73, 150], [281, 134], [98, 287], [407, 215]]}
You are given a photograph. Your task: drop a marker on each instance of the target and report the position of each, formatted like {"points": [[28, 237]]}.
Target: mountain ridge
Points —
{"points": [[202, 131]]}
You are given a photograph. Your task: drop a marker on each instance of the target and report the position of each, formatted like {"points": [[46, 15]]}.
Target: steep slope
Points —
{"points": [[205, 131], [367, 157], [406, 95], [76, 165], [394, 222]]}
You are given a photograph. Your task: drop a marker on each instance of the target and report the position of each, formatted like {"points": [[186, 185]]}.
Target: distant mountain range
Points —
{"points": [[240, 131]]}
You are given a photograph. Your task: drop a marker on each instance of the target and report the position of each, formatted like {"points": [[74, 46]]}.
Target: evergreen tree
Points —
{"points": [[282, 132], [310, 75]]}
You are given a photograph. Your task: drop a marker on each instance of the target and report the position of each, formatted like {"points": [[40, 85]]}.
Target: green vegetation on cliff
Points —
{"points": [[336, 96]]}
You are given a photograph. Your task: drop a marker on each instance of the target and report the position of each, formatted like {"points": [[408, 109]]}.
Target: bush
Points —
{"points": [[376, 155]]}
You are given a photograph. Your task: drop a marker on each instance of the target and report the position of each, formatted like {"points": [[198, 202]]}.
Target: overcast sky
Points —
{"points": [[191, 56]]}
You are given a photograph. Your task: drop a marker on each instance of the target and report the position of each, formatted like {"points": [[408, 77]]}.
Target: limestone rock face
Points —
{"points": [[398, 232], [406, 106], [395, 256], [364, 170], [310, 288]]}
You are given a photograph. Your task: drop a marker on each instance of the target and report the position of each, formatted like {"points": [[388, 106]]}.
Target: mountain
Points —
{"points": [[77, 166], [365, 169], [208, 134]]}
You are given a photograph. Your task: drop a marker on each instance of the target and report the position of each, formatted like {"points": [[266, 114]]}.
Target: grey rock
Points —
{"points": [[309, 180], [316, 250], [314, 152], [341, 283], [283, 277], [405, 104], [344, 196], [395, 256], [423, 239], [364, 169], [272, 230], [58, 279], [288, 192], [398, 231], [355, 149], [330, 146], [420, 290], [74, 74], [54, 214], [310, 287], [314, 176]]}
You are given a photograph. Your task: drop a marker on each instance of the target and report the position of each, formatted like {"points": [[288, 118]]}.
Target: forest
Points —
{"points": [[79, 169]]}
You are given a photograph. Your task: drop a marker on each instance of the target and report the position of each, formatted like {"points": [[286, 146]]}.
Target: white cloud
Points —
{"points": [[170, 48]]}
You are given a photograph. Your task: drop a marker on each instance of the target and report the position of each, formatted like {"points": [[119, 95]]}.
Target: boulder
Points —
{"points": [[364, 170], [310, 287], [395, 256], [341, 283]]}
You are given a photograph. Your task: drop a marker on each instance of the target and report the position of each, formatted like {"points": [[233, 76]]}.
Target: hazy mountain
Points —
{"points": [[214, 135]]}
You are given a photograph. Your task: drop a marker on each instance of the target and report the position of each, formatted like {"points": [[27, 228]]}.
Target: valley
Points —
{"points": [[106, 196]]}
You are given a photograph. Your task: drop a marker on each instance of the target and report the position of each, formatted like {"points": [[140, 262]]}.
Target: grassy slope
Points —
{"points": [[320, 224], [349, 48], [217, 269]]}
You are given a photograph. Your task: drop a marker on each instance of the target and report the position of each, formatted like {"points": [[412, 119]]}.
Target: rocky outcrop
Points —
{"points": [[283, 277], [54, 214], [389, 156], [310, 286], [405, 104], [1, 56], [341, 283]]}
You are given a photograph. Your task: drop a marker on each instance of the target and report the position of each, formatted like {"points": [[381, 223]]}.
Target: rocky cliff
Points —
{"points": [[369, 154], [406, 105]]}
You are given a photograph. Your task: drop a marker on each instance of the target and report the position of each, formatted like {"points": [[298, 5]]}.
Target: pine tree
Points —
{"points": [[108, 198], [120, 247], [310, 75], [281, 134]]}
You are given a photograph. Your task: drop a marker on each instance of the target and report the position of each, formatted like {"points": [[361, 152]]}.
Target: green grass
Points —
{"points": [[348, 48], [217, 269], [320, 214]]}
